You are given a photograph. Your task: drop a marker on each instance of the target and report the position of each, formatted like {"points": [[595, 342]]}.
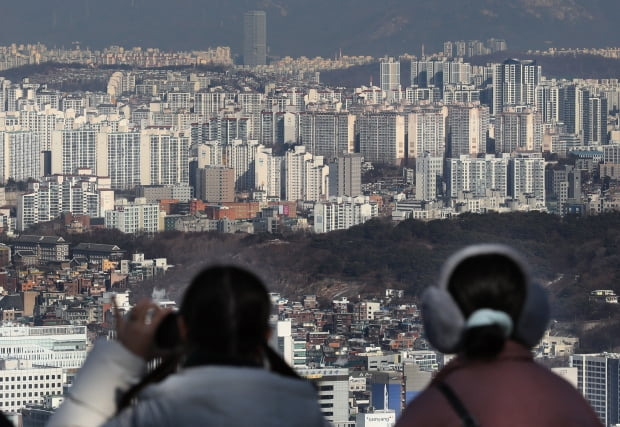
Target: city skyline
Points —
{"points": [[297, 29]]}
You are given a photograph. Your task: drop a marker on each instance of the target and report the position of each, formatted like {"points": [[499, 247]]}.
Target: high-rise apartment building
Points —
{"points": [[526, 178], [255, 38], [215, 184], [268, 173], [596, 125], [439, 73], [345, 175], [241, 157], [164, 157], [428, 176], [390, 78], [134, 217], [209, 103], [547, 101], [518, 130], [76, 149], [20, 155], [584, 113], [382, 137], [123, 159], [514, 84], [426, 132], [305, 175], [327, 134], [467, 128], [56, 194], [341, 213], [598, 379], [477, 175]]}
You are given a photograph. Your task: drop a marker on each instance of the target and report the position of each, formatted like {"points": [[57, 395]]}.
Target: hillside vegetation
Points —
{"points": [[570, 256]]}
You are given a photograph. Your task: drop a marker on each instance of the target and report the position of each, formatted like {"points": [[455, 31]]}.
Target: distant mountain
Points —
{"points": [[318, 27]]}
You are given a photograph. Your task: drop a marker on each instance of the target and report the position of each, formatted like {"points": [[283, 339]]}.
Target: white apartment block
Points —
{"points": [[477, 175], [124, 160], [382, 137], [305, 175], [232, 128], [179, 101], [53, 195], [134, 217], [44, 122], [164, 157], [518, 131], [333, 392], [390, 77], [20, 155], [58, 346], [467, 128], [268, 173], [241, 157], [76, 149], [281, 340], [209, 103], [426, 132], [422, 95], [327, 134], [514, 84], [428, 174], [25, 383], [340, 213], [547, 101], [527, 178]]}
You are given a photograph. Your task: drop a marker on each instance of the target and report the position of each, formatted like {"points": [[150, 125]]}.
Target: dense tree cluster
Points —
{"points": [[571, 256]]}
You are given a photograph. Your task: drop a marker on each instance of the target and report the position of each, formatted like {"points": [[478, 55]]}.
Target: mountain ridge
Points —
{"points": [[321, 27]]}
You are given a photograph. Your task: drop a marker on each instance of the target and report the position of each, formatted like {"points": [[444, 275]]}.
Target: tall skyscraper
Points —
{"points": [[255, 38]]}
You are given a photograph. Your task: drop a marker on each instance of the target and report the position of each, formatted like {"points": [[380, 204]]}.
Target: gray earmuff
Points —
{"points": [[444, 322]]}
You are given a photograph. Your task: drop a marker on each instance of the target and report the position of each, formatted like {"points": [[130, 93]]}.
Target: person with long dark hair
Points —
{"points": [[486, 309], [217, 370]]}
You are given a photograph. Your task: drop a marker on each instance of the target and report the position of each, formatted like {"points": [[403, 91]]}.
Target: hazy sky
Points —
{"points": [[301, 27]]}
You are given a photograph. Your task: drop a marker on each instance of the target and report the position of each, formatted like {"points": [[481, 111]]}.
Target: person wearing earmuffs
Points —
{"points": [[486, 309]]}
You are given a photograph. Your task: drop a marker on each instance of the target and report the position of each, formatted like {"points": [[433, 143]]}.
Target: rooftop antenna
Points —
{"points": [[371, 80], [423, 57]]}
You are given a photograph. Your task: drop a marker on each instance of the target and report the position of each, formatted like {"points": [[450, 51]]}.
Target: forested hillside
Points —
{"points": [[572, 255]]}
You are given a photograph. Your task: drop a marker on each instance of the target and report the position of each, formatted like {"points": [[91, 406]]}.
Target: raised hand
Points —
{"points": [[137, 330]]}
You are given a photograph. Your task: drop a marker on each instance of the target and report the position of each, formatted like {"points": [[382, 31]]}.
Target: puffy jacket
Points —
{"points": [[512, 390], [204, 395]]}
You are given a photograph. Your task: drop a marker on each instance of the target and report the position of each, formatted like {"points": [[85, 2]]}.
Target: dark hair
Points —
{"points": [[487, 281], [226, 310]]}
